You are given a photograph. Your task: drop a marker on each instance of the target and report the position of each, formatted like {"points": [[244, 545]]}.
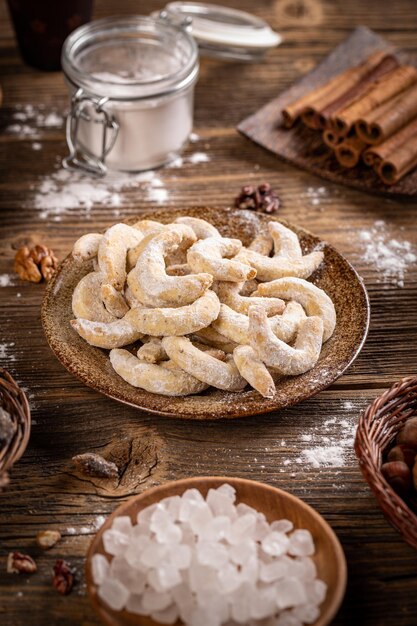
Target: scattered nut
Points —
{"points": [[408, 434], [18, 563], [414, 471], [35, 263], [7, 428], [398, 475], [262, 198], [95, 465], [47, 538], [402, 453], [4, 481], [63, 579]]}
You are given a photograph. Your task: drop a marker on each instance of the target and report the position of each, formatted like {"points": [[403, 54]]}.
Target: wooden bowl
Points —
{"points": [[273, 502], [14, 401], [92, 366], [375, 435]]}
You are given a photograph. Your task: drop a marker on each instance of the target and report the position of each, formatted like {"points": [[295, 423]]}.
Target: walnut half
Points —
{"points": [[35, 263]]}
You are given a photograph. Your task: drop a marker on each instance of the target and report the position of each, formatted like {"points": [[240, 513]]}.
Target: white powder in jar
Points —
{"points": [[150, 134], [134, 77]]}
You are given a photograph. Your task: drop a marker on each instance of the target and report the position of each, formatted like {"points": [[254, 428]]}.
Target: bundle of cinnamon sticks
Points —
{"points": [[369, 112]]}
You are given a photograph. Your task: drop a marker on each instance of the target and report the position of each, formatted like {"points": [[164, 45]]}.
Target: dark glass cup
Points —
{"points": [[41, 27]]}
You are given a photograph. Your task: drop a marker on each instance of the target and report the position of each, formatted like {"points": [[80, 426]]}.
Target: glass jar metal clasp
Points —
{"points": [[185, 22], [79, 158]]}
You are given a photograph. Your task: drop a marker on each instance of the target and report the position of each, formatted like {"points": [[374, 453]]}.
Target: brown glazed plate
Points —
{"points": [[92, 365]]}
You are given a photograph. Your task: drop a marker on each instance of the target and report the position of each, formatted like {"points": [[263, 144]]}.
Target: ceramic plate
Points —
{"points": [[92, 366]]}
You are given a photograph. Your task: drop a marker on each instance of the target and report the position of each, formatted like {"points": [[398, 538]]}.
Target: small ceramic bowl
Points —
{"points": [[274, 503]]}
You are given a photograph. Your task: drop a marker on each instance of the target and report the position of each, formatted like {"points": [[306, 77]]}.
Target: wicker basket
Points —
{"points": [[14, 401], [377, 429]]}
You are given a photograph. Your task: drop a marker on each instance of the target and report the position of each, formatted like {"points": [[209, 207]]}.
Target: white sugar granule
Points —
{"points": [[6, 280], [390, 257], [64, 190], [198, 157], [5, 352], [36, 146], [29, 120], [315, 195], [209, 562], [328, 444], [327, 456], [158, 195]]}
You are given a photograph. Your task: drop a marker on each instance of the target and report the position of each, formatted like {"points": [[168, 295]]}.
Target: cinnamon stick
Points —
{"points": [[331, 138], [394, 83], [392, 144], [323, 95], [349, 151], [370, 159], [378, 64], [401, 161], [384, 151], [385, 120], [363, 85]]}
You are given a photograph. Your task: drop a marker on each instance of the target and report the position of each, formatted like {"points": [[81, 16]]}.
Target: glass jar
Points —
{"points": [[131, 81]]}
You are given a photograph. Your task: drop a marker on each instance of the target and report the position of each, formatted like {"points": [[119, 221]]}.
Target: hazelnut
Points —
{"points": [[47, 538], [408, 434], [415, 475], [402, 453], [398, 476]]}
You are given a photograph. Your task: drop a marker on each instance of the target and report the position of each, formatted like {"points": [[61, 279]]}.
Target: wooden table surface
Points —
{"points": [[69, 418]]}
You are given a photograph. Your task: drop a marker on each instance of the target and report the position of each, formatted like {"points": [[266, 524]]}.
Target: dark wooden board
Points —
{"points": [[303, 146]]}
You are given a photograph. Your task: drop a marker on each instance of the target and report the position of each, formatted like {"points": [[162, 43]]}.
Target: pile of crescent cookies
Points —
{"points": [[206, 310]]}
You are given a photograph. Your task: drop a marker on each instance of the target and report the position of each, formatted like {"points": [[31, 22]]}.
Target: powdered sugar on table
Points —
{"points": [[391, 257]]}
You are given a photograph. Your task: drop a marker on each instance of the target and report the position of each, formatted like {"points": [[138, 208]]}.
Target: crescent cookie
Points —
{"points": [[108, 335], [277, 267], [203, 366], [112, 252], [148, 226], [263, 244], [149, 281], [211, 337], [248, 287], [235, 326], [87, 302], [286, 326], [114, 301], [86, 247], [253, 370], [229, 294], [213, 255], [287, 360], [159, 379], [286, 243], [152, 351], [180, 269], [201, 228], [184, 320], [314, 300]]}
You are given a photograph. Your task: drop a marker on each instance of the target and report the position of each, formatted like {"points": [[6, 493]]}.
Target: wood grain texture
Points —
{"points": [[69, 419], [305, 147]]}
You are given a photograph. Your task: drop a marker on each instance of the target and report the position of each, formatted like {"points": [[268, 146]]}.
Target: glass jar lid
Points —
{"points": [[128, 58], [222, 31]]}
